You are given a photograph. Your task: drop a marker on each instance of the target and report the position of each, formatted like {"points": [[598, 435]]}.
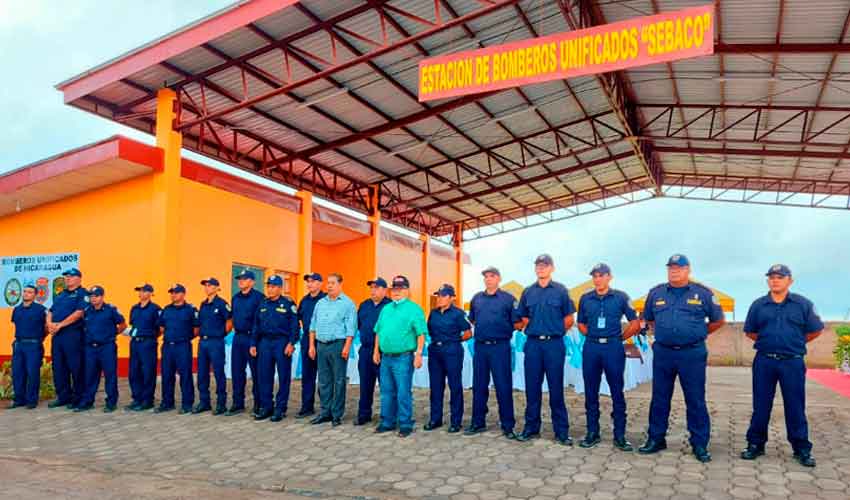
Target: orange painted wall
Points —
{"points": [[441, 270], [394, 259], [108, 227], [348, 259]]}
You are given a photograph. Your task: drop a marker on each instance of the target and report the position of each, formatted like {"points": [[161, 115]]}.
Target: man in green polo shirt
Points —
{"points": [[399, 339]]}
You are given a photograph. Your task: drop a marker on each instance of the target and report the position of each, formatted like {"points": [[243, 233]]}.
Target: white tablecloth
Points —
{"points": [[638, 371]]}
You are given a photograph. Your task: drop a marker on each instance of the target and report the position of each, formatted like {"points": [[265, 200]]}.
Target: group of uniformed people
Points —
{"points": [[392, 332]]}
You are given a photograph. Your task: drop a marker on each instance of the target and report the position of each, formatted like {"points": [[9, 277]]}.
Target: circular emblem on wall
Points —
{"points": [[58, 285], [12, 292]]}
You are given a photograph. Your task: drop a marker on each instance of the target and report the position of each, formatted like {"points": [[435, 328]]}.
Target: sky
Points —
{"points": [[730, 245]]}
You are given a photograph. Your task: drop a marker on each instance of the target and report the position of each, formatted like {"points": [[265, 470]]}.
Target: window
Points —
{"points": [[259, 272]]}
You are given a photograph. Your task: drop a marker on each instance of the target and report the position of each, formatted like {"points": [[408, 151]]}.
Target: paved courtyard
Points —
{"points": [[59, 454]]}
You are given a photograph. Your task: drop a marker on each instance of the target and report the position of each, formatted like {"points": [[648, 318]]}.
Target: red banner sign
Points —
{"points": [[626, 44]]}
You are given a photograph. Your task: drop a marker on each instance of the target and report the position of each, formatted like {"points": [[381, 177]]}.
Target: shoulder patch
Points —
{"points": [[293, 308], [715, 300], [86, 298]]}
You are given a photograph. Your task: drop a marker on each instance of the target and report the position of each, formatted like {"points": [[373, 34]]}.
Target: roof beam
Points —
{"points": [[782, 48], [831, 155]]}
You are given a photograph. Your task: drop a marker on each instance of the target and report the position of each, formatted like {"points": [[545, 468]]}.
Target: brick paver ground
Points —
{"points": [[60, 454]]}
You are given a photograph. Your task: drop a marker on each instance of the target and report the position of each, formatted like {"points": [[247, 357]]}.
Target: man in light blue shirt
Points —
{"points": [[332, 327]]}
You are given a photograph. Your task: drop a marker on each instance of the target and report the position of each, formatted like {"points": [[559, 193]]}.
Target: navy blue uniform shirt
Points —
{"points": [[144, 320], [305, 310], [680, 313], [29, 321], [367, 316], [212, 318], [782, 327], [101, 323], [179, 322], [68, 302], [245, 307], [545, 309], [611, 307], [493, 315], [276, 319], [448, 325]]}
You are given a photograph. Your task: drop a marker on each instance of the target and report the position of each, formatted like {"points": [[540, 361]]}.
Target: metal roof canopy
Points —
{"points": [[322, 96]]}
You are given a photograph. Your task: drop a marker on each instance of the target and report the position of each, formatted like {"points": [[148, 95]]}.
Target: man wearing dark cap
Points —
{"points": [[547, 313], [447, 327], [178, 324], [214, 323], [245, 304], [781, 323], [144, 317], [399, 340], [275, 333], [677, 311], [29, 318], [600, 312], [367, 316], [309, 366], [65, 323], [493, 312], [103, 322]]}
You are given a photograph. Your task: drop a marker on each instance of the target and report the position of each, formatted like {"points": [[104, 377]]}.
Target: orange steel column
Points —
{"points": [[304, 241], [164, 268], [372, 256], [457, 243], [426, 262]]}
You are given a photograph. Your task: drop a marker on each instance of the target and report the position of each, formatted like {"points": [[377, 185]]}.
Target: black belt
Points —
{"points": [[208, 337], [139, 339], [780, 357], [176, 342], [545, 337], [243, 332], [682, 347], [269, 337], [604, 340], [99, 344], [330, 341], [491, 342], [29, 341], [441, 343], [396, 354]]}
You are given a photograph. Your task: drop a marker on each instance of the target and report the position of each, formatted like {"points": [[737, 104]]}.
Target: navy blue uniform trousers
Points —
{"points": [[309, 374], [369, 374], [26, 370], [689, 365], [790, 374], [492, 359], [445, 362], [240, 359], [211, 355], [610, 359], [177, 360], [142, 376], [101, 358], [545, 358], [66, 352], [273, 359]]}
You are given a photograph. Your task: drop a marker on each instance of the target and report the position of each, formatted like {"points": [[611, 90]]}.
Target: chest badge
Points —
{"points": [[695, 300]]}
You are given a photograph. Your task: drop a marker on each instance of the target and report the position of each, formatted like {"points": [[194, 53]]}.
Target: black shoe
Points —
{"points": [[752, 452], [652, 446], [362, 420], [199, 408], [185, 410], [453, 429], [471, 430], [381, 429], [509, 434], [590, 441], [32, 406], [57, 404], [144, 407], [336, 422], [564, 440], [83, 408], [278, 416], [163, 409], [110, 408], [71, 406], [302, 413], [256, 409], [262, 414], [134, 406], [234, 411], [430, 426], [804, 458], [321, 419], [623, 445], [527, 436], [702, 454], [404, 433], [14, 405], [220, 410]]}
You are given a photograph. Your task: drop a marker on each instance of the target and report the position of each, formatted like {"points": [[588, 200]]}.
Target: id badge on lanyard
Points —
{"points": [[600, 321]]}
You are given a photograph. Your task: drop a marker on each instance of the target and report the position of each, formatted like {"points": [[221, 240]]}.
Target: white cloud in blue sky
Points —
{"points": [[730, 245]]}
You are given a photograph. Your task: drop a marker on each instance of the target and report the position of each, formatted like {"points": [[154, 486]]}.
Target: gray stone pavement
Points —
{"points": [[59, 454]]}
